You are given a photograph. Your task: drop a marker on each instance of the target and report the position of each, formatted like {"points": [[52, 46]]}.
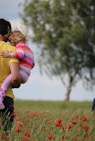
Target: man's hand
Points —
{"points": [[16, 77], [15, 84], [4, 54]]}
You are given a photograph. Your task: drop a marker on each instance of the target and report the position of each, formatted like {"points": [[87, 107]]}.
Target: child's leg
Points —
{"points": [[24, 76], [7, 82], [4, 87]]}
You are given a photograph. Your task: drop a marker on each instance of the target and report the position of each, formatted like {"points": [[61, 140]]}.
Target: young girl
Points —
{"points": [[26, 61]]}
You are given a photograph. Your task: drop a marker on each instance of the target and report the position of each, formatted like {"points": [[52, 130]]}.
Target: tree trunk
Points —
{"points": [[67, 94], [69, 88]]}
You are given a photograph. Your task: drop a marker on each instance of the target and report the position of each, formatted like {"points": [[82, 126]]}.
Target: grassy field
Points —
{"points": [[52, 121], [51, 105]]}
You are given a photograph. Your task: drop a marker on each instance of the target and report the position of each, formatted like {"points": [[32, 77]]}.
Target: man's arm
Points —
{"points": [[18, 54], [16, 78]]}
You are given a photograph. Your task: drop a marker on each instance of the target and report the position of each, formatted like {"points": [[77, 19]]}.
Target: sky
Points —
{"points": [[39, 87]]}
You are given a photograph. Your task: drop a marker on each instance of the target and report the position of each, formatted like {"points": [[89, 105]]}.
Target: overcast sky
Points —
{"points": [[39, 87]]}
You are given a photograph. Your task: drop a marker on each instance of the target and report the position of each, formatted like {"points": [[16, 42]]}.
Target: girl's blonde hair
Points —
{"points": [[16, 36]]}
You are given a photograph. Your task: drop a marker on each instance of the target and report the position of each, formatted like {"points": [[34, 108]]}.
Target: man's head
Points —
{"points": [[5, 28]]}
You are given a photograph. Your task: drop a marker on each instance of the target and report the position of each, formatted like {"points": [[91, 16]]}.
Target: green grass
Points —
{"points": [[53, 121], [51, 105]]}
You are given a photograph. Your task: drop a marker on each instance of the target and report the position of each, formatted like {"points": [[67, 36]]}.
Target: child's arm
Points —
{"points": [[18, 54]]}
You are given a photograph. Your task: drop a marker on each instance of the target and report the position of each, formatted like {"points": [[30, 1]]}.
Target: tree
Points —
{"points": [[64, 31]]}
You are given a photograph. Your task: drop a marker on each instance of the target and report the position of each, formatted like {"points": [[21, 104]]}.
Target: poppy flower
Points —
{"points": [[74, 122], [58, 123], [86, 128], [68, 127], [84, 119], [18, 130], [19, 123], [50, 136], [27, 133]]}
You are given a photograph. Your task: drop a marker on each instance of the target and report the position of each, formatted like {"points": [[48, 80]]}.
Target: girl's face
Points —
{"points": [[12, 43]]}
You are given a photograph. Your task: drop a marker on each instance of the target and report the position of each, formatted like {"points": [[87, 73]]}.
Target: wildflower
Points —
{"points": [[15, 113], [84, 119], [33, 114], [4, 137], [43, 128], [76, 116], [20, 123], [50, 136], [68, 127], [58, 123], [18, 130], [63, 136], [74, 122], [86, 128], [86, 135], [27, 133]]}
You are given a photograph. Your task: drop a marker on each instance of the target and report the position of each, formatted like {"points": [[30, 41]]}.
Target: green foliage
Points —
{"points": [[65, 34]]}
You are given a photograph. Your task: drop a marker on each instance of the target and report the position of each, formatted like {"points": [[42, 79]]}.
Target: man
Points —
{"points": [[93, 105], [7, 66]]}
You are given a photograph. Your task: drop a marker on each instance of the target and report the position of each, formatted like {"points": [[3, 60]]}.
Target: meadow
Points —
{"points": [[52, 121]]}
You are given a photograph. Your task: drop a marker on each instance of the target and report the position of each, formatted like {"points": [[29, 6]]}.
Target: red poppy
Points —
{"points": [[50, 136], [19, 123], [43, 128], [86, 135], [18, 130], [86, 128], [33, 114], [63, 136], [4, 137], [27, 133], [68, 127], [74, 122], [84, 119], [58, 123], [15, 113]]}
